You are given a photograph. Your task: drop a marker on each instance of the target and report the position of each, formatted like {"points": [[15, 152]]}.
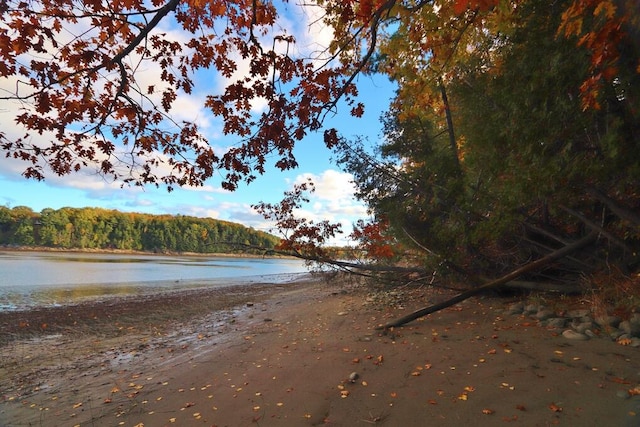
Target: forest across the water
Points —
{"points": [[102, 229]]}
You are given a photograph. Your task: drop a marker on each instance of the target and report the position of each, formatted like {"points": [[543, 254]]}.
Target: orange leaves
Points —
{"points": [[374, 238], [461, 6], [555, 408], [122, 35], [301, 236], [598, 25]]}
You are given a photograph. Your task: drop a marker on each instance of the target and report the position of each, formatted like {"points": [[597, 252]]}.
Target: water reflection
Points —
{"points": [[44, 278]]}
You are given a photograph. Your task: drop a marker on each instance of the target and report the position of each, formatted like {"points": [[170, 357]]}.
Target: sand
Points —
{"points": [[305, 354]]}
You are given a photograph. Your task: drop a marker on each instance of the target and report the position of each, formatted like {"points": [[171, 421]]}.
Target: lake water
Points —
{"points": [[29, 279]]}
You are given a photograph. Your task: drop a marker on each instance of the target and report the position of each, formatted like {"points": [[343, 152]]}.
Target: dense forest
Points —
{"points": [[102, 229]]}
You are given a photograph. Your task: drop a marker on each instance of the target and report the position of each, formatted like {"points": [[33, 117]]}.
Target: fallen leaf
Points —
{"points": [[555, 408], [521, 408], [488, 411], [624, 341], [77, 405], [619, 380]]}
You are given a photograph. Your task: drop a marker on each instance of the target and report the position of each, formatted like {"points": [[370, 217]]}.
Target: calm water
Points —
{"points": [[30, 279]]}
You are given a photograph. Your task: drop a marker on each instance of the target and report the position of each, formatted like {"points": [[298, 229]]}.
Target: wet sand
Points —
{"points": [[306, 354]]}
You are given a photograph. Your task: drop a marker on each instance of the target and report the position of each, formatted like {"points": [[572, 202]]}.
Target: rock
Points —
{"points": [[573, 335], [516, 308], [544, 314], [623, 394], [590, 333], [531, 308], [353, 376], [556, 322], [625, 326], [576, 314], [634, 327], [616, 334], [635, 342], [586, 319], [607, 321], [581, 327]]}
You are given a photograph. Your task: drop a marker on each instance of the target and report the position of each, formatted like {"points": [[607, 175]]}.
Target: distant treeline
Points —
{"points": [[102, 229]]}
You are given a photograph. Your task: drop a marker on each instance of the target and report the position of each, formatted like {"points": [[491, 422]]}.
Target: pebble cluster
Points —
{"points": [[583, 324]]}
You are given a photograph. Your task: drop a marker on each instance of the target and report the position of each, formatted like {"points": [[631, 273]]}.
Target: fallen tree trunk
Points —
{"points": [[532, 266]]}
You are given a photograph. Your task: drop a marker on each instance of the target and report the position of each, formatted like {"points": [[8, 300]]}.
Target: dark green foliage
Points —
{"points": [[522, 179], [94, 228]]}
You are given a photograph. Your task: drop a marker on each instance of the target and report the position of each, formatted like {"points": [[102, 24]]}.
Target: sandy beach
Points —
{"points": [[306, 353]]}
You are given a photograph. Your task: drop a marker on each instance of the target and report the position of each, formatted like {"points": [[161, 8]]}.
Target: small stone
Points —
{"points": [[582, 327], [556, 322], [573, 335], [516, 308], [576, 314], [625, 325], [631, 326], [531, 308], [622, 394], [590, 333], [544, 314], [250, 304], [635, 342], [608, 321], [585, 319], [353, 377], [616, 334]]}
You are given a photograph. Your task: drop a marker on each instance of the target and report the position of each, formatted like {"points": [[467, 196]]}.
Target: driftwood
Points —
{"points": [[532, 266]]}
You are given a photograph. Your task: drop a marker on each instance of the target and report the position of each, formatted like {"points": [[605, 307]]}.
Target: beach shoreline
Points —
{"points": [[308, 353]]}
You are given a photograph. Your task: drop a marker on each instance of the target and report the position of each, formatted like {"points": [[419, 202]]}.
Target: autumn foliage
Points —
{"points": [[302, 237], [98, 87], [375, 239]]}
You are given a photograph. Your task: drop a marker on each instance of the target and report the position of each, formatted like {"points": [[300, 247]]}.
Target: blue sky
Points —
{"points": [[332, 200]]}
